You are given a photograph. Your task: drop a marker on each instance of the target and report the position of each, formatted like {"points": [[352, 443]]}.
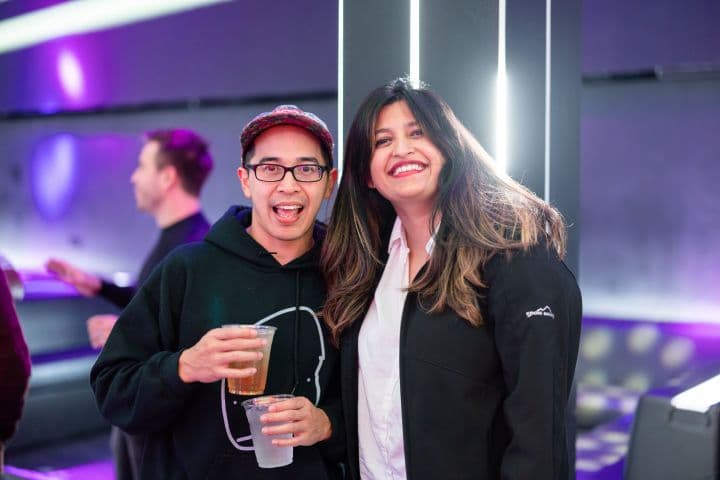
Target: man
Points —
{"points": [[162, 370], [14, 366], [172, 168]]}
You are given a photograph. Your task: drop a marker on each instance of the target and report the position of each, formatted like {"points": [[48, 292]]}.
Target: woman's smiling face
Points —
{"points": [[405, 165]]}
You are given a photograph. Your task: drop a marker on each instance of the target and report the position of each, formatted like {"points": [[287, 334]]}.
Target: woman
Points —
{"points": [[457, 320]]}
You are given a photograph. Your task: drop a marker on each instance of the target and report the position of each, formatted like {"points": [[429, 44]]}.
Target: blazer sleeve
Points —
{"points": [[535, 306], [14, 364], [135, 379]]}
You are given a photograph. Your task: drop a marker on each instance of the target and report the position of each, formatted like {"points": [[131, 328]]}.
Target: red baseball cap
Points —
{"points": [[287, 115]]}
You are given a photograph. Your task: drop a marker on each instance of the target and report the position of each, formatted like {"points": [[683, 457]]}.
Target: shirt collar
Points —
{"points": [[397, 237]]}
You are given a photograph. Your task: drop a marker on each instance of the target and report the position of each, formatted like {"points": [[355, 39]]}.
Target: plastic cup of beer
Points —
{"points": [[267, 454], [255, 384]]}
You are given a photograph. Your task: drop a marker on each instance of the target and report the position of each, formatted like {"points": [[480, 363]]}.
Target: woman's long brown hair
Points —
{"points": [[482, 212]]}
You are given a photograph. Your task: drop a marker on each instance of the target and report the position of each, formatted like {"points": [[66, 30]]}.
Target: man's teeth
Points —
{"points": [[408, 168], [288, 207]]}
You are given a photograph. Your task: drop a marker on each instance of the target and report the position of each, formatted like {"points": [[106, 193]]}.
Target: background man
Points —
{"points": [[172, 168]]}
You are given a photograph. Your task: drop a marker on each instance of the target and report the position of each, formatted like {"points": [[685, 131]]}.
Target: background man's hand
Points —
{"points": [[99, 327], [208, 360], [85, 283]]}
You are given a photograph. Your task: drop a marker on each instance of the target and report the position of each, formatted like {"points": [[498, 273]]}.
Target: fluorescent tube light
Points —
{"points": [[341, 87], [501, 95], [82, 16], [415, 42]]}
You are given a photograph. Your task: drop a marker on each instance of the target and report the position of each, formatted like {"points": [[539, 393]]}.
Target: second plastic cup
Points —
{"points": [[266, 454], [255, 384]]}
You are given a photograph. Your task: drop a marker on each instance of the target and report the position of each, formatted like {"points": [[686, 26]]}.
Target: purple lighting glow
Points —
{"points": [[53, 175], [70, 74]]}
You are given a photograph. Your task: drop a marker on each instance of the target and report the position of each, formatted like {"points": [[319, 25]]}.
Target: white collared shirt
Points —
{"points": [[380, 427]]}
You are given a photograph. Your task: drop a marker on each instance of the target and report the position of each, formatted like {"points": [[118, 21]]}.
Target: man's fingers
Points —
{"points": [[237, 356], [223, 372], [227, 333], [58, 267], [290, 404], [295, 416], [53, 264], [287, 427], [288, 442], [243, 344]]}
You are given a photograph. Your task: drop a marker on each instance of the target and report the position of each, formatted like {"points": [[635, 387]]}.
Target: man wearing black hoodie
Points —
{"points": [[161, 370]]}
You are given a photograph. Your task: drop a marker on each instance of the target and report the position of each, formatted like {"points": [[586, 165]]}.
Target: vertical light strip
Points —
{"points": [[501, 105], [340, 87], [548, 103], [415, 42]]}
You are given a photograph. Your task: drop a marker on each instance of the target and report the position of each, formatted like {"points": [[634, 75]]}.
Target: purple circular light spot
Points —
{"points": [[71, 74], [53, 175]]}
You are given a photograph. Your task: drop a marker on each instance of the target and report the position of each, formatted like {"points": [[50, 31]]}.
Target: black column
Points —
{"points": [[376, 38]]}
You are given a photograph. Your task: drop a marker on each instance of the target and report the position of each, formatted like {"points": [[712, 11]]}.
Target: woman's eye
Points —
{"points": [[416, 133], [381, 141]]}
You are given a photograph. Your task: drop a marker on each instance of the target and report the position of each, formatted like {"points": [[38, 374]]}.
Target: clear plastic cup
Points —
{"points": [[266, 454], [255, 384]]}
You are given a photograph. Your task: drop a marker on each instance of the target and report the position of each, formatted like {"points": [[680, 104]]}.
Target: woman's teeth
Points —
{"points": [[407, 168]]}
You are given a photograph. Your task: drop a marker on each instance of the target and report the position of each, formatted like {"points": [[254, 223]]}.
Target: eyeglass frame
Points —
{"points": [[322, 168]]}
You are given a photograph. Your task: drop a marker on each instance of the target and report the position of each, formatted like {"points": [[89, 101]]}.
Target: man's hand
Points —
{"points": [[85, 283], [208, 360], [307, 423], [99, 327]]}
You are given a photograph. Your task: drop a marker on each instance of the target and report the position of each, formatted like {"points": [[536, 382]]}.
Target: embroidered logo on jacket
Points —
{"points": [[543, 312]]}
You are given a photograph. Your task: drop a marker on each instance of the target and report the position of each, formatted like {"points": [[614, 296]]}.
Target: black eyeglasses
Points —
{"points": [[272, 172]]}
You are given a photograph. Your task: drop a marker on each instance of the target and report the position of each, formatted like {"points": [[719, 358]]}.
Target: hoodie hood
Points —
{"points": [[230, 234]]}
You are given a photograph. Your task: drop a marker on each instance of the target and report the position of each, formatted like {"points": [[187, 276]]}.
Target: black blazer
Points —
{"points": [[484, 402]]}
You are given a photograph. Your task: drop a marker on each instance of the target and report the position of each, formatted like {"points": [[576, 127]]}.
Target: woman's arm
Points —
{"points": [[535, 305]]}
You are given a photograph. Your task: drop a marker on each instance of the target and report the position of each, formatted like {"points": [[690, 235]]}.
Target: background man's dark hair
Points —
{"points": [[187, 152]]}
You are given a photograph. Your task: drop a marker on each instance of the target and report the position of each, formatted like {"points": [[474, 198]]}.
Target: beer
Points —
{"points": [[254, 384]]}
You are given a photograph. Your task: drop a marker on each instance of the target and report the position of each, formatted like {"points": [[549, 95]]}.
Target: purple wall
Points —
{"points": [[650, 153], [650, 203], [637, 34], [236, 49]]}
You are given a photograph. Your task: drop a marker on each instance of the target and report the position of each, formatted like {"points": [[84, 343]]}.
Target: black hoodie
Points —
{"points": [[199, 430]]}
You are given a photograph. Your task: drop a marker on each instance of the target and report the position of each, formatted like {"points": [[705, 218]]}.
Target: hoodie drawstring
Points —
{"points": [[296, 334]]}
